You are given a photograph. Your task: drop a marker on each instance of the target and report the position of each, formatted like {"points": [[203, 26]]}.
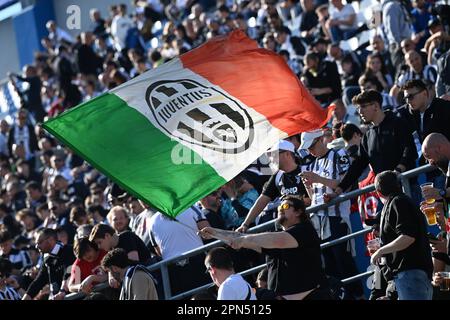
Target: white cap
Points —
{"points": [[308, 138], [283, 145]]}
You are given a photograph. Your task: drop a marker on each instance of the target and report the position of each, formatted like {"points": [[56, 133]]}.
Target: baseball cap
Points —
{"points": [[284, 146], [308, 138]]}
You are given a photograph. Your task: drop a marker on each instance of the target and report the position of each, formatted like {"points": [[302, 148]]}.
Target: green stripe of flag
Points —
{"points": [[133, 153]]}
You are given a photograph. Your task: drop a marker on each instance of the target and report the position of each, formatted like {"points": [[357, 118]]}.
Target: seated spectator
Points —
{"points": [[79, 216], [342, 24], [7, 292], [86, 271], [57, 260], [19, 259], [137, 281], [118, 219], [107, 239], [417, 70], [322, 79]]}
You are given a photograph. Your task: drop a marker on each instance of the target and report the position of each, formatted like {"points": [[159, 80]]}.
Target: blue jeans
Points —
{"points": [[337, 34], [413, 285]]}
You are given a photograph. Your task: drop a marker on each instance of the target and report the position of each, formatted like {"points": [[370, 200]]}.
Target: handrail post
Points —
{"points": [[406, 185], [166, 281]]}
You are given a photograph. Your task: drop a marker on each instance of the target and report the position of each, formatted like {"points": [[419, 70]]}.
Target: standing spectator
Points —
{"points": [[58, 35], [211, 210], [293, 255], [4, 132], [33, 101], [397, 27], [57, 259], [285, 182], [137, 282], [321, 177], [429, 114], [22, 134], [89, 63], [187, 273], [387, 145], [405, 244], [141, 223], [120, 26], [232, 286], [98, 23]]}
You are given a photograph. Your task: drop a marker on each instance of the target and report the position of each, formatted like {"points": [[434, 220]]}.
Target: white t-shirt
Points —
{"points": [[174, 238], [343, 14], [235, 288]]}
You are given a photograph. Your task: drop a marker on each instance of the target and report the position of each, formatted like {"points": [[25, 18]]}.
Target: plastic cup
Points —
{"points": [[445, 283], [430, 214], [425, 186], [373, 245]]}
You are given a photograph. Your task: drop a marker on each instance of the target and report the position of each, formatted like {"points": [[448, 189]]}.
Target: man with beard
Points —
{"points": [[387, 145], [137, 282], [293, 254]]}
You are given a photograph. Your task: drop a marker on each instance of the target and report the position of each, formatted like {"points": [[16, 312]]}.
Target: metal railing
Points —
{"points": [[163, 265]]}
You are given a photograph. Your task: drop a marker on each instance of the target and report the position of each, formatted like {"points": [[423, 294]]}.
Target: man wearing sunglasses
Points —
{"points": [[293, 255], [429, 114], [285, 182], [57, 259]]}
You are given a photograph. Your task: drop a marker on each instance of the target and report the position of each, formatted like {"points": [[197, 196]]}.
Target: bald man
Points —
{"points": [[436, 149]]}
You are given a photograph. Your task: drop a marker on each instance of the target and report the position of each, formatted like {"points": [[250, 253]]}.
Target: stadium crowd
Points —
{"points": [[384, 67]]}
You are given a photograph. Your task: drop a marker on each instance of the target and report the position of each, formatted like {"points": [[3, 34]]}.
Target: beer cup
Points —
{"points": [[425, 186], [430, 214]]}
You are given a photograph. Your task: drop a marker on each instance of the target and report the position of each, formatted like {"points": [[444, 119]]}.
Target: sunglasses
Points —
{"points": [[411, 96], [284, 206]]}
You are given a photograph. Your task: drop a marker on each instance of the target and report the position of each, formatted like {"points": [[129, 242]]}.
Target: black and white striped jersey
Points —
{"points": [[19, 258], [9, 293], [428, 73], [332, 165]]}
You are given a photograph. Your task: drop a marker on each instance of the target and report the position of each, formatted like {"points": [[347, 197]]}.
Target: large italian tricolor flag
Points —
{"points": [[178, 132]]}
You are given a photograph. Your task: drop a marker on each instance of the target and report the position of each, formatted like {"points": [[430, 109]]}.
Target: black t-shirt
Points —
{"points": [[214, 218], [131, 242], [285, 183], [298, 269], [400, 216]]}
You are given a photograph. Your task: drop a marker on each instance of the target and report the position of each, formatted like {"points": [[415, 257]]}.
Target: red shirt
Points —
{"points": [[88, 268]]}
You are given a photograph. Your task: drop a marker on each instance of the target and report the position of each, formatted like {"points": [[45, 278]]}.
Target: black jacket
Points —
{"points": [[435, 119], [52, 270], [327, 76], [384, 147]]}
